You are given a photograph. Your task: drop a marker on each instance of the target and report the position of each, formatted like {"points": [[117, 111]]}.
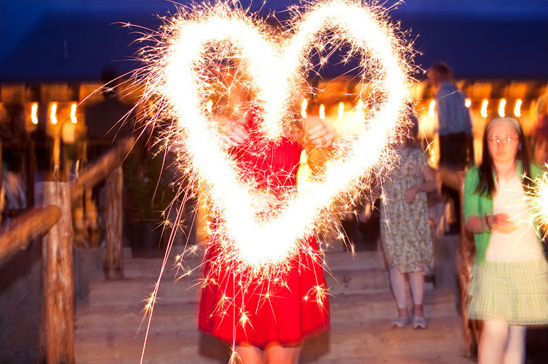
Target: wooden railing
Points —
{"points": [[464, 258], [55, 220]]}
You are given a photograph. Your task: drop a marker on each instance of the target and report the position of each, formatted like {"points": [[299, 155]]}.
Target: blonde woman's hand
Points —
{"points": [[234, 132], [317, 133]]}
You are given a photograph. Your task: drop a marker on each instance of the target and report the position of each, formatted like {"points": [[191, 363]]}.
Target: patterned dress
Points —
{"points": [[405, 230]]}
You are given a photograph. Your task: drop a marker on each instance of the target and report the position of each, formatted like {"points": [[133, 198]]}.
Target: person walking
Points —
{"points": [[456, 149], [509, 286]]}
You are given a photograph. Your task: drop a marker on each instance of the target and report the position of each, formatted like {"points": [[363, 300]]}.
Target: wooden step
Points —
{"points": [[335, 260], [368, 341], [135, 290], [346, 311]]}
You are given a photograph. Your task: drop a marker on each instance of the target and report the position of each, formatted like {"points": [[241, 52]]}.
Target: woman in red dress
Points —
{"points": [[266, 320]]}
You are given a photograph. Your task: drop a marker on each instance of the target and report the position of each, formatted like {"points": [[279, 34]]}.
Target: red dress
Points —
{"points": [[266, 311]]}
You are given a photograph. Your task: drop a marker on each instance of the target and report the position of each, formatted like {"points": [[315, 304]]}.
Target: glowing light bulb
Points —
{"points": [[341, 110], [484, 105], [468, 102], [517, 108], [34, 113], [304, 105], [502, 107], [73, 118], [53, 113], [432, 109]]}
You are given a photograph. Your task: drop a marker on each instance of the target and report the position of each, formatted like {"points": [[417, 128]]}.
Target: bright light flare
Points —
{"points": [[517, 108], [258, 238], [432, 109], [34, 113], [304, 105], [209, 106], [537, 199], [502, 108], [321, 112], [53, 113], [273, 71], [467, 102], [484, 105], [73, 118]]}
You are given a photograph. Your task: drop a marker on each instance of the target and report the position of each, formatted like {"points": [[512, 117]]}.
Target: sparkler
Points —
{"points": [[184, 74], [205, 36], [537, 199]]}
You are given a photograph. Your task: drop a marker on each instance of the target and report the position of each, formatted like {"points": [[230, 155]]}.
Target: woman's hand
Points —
{"points": [[264, 201], [430, 184], [234, 132], [411, 193], [317, 133], [501, 222]]}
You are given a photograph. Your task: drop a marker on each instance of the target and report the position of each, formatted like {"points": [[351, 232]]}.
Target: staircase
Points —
{"points": [[110, 327]]}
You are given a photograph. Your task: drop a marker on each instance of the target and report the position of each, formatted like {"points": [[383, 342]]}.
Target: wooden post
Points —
{"points": [[57, 326], [464, 260], [114, 259]]}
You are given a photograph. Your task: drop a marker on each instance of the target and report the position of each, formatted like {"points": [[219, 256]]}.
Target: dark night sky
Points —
{"points": [[67, 40]]}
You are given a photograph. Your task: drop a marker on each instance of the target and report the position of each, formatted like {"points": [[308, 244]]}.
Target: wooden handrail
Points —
{"points": [[102, 168], [30, 224], [38, 221]]}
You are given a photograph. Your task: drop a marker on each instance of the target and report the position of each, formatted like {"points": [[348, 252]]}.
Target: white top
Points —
{"points": [[522, 243]]}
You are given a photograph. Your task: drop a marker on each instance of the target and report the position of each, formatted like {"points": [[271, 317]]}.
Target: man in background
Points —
{"points": [[454, 128]]}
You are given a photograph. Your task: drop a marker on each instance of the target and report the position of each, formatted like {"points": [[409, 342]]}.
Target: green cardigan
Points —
{"points": [[479, 205]]}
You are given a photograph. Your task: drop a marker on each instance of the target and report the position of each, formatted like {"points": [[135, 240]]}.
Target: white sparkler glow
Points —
{"points": [[537, 199], [206, 36], [186, 71]]}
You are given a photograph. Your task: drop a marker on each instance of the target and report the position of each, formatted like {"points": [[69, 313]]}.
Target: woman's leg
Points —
{"points": [[416, 282], [247, 354], [515, 347], [397, 282], [494, 336], [277, 354]]}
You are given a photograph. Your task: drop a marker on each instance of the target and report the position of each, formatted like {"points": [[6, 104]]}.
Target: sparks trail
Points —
{"points": [[537, 200], [260, 240]]}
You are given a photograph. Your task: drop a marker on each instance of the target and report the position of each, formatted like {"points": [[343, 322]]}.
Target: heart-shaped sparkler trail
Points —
{"points": [[277, 68]]}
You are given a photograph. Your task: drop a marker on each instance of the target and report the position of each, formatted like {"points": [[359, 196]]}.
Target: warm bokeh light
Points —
{"points": [[53, 113], [209, 106], [537, 199], [432, 109], [502, 108], [468, 102], [321, 112], [340, 112], [517, 108], [73, 117], [484, 105], [34, 113], [304, 105]]}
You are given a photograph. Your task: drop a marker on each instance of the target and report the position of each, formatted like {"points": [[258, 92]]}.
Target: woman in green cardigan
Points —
{"points": [[509, 288]]}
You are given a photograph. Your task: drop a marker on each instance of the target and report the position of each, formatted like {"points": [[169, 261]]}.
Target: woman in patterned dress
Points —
{"points": [[509, 287], [405, 230]]}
